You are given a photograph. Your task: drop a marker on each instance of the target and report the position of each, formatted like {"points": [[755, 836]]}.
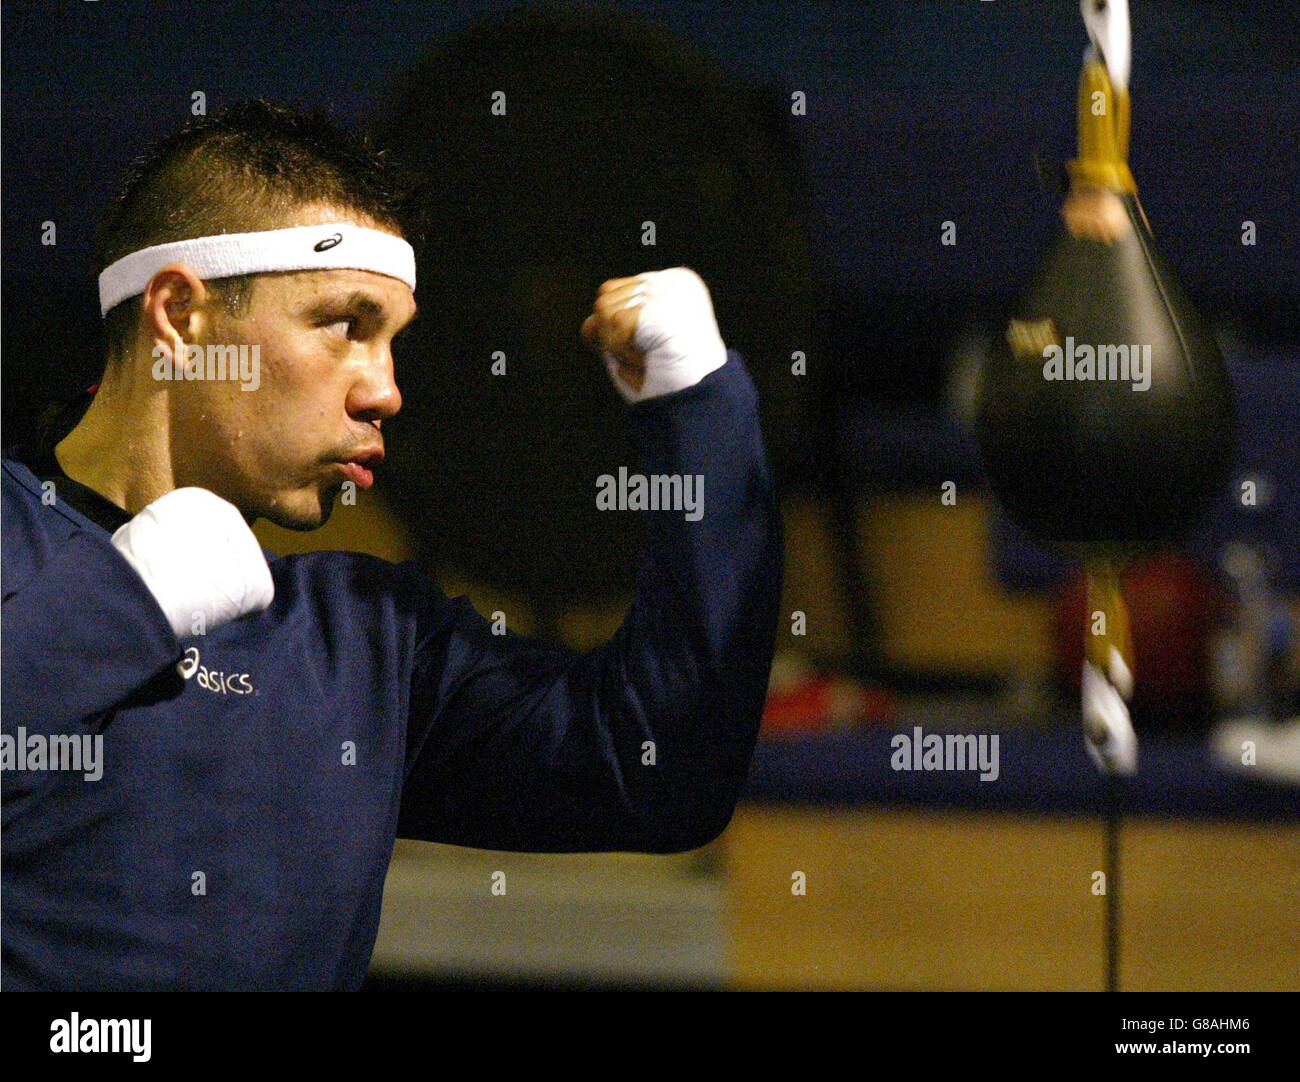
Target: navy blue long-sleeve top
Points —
{"points": [[280, 755]]}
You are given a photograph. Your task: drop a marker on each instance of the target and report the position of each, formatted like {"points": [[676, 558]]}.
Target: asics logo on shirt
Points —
{"points": [[213, 680]]}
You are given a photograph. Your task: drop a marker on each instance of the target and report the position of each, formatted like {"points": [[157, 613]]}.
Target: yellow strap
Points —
{"points": [[1103, 132], [1108, 623]]}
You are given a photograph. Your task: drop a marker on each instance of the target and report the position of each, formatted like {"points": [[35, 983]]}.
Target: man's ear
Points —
{"points": [[175, 308]]}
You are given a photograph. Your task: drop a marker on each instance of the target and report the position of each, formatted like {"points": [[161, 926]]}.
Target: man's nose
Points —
{"points": [[375, 396]]}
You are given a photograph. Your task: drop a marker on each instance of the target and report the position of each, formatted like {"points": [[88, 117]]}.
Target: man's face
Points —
{"points": [[325, 385]]}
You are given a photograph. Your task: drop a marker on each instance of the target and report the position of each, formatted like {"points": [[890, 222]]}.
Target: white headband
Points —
{"points": [[335, 246]]}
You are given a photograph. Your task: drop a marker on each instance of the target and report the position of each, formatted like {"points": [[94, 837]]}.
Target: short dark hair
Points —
{"points": [[245, 169]]}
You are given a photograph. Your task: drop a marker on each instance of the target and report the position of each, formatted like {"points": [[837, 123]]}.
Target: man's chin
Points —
{"points": [[303, 515]]}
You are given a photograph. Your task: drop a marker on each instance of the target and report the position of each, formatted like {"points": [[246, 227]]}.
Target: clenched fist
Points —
{"points": [[656, 332]]}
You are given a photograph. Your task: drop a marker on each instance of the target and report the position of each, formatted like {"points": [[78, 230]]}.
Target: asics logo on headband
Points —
{"points": [[296, 248]]}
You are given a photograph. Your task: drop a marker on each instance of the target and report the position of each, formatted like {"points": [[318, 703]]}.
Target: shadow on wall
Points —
{"points": [[561, 149]]}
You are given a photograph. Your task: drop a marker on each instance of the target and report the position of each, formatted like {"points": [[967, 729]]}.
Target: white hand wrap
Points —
{"points": [[1108, 731], [197, 555], [676, 331]]}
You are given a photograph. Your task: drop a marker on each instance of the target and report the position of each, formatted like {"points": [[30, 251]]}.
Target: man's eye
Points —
{"points": [[343, 327]]}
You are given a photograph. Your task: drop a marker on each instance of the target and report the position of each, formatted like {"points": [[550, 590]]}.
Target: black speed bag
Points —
{"points": [[1105, 412]]}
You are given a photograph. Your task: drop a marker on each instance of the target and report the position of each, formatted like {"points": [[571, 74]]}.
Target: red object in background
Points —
{"points": [[815, 703], [1174, 605]]}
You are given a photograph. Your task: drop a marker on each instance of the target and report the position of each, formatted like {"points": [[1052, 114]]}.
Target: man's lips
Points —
{"points": [[359, 469]]}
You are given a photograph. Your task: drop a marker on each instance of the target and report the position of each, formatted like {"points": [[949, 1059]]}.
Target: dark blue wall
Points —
{"points": [[917, 112]]}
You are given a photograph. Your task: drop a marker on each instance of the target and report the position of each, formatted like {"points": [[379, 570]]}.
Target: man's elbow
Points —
{"points": [[686, 832]]}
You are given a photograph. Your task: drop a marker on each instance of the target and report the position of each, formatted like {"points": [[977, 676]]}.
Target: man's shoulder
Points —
{"points": [[23, 491], [16, 471], [30, 497], [343, 573]]}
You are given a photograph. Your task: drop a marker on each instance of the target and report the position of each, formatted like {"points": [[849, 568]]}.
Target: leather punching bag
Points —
{"points": [[1105, 413]]}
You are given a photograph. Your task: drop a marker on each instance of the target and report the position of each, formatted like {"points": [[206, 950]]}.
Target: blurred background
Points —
{"points": [[805, 159]]}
